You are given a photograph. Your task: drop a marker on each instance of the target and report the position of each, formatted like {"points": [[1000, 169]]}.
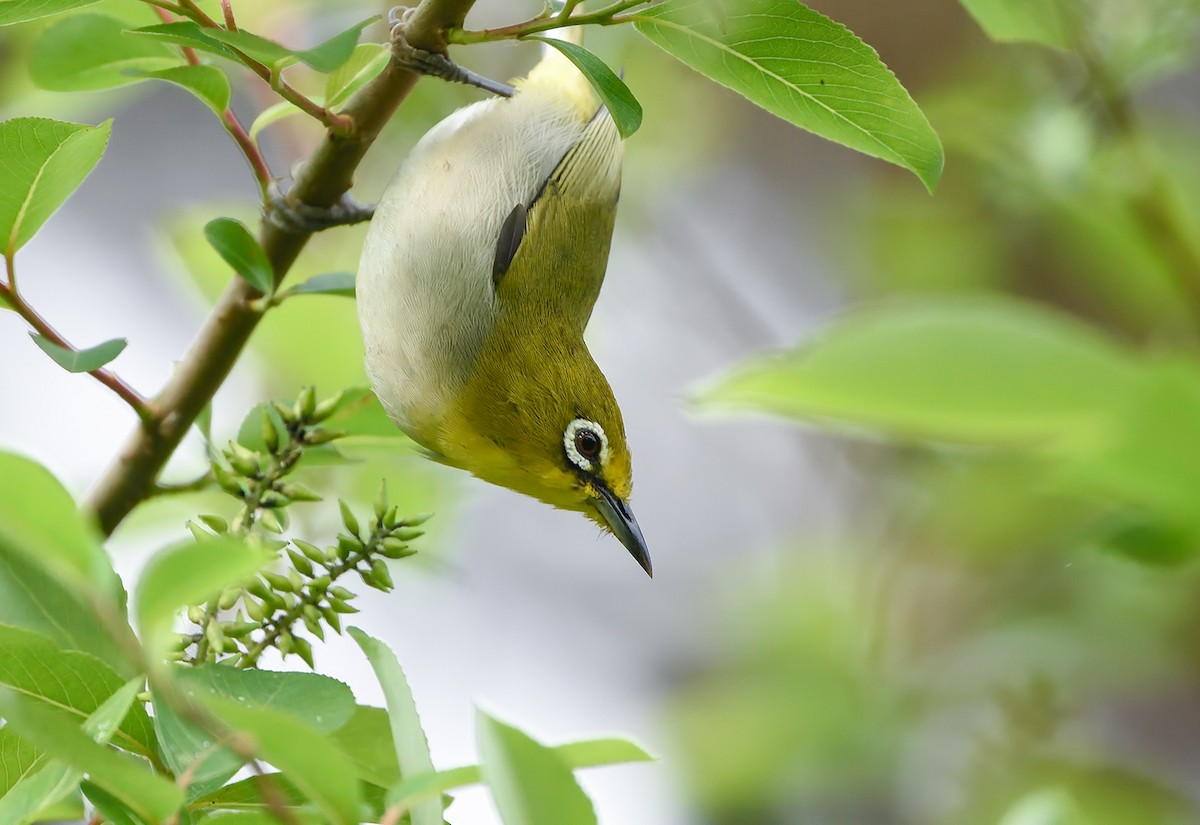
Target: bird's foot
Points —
{"points": [[435, 64], [304, 218]]}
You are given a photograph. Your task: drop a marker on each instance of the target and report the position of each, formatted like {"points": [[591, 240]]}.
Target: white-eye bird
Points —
{"points": [[479, 272]]}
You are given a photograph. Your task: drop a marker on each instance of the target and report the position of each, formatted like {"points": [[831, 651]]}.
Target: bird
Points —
{"points": [[478, 275]]}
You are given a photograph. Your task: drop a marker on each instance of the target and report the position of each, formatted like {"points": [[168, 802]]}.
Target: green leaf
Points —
{"points": [[803, 67], [114, 811], [325, 704], [1044, 22], [622, 105], [241, 251], [81, 360], [77, 683], [367, 740], [183, 33], [308, 757], [135, 784], [18, 760], [46, 782], [412, 748], [365, 62], [324, 58], [206, 82], [530, 782], [90, 51], [588, 754], [991, 372], [39, 520], [32, 598], [18, 11], [246, 798], [329, 283], [188, 574], [41, 163], [274, 113]]}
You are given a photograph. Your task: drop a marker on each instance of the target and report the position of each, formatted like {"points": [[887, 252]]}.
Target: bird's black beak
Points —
{"points": [[620, 520]]}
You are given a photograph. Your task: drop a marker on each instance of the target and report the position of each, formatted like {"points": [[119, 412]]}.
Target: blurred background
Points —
{"points": [[845, 628]]}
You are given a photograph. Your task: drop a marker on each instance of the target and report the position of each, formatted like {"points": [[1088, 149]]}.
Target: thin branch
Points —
{"points": [[233, 126], [128, 394], [320, 181], [227, 11], [608, 16]]}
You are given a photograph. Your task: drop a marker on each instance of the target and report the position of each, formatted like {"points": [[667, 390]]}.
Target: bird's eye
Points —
{"points": [[588, 443]]}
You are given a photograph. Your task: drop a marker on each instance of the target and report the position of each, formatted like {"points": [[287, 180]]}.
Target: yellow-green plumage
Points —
{"points": [[480, 357]]}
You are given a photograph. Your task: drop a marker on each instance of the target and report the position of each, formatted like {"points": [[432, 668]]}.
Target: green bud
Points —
{"points": [[298, 492], [258, 588], [333, 555], [323, 436], [273, 499], [319, 584], [381, 501], [256, 609], [390, 518], [284, 642], [237, 630], [229, 598], [407, 533], [306, 403], [300, 562], [280, 584], [311, 550], [417, 520], [285, 412], [195, 614], [348, 518], [382, 575], [332, 619], [198, 532], [296, 580], [216, 637], [304, 650], [395, 549], [348, 545], [270, 521], [312, 621], [145, 697], [268, 544], [327, 408], [182, 641], [226, 480], [339, 592], [215, 523], [270, 435], [339, 606]]}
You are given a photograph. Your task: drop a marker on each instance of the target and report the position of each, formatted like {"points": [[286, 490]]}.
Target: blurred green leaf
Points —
{"points": [[308, 757], [39, 520], [325, 704], [18, 11], [530, 782], [412, 748], [152, 797], [622, 105], [272, 114], [246, 796], [367, 740], [206, 82], [187, 574], [803, 67], [114, 811], [365, 62], [983, 371], [42, 162], [1052, 806], [78, 683], [81, 360], [337, 50], [46, 781], [330, 283], [241, 251], [325, 57], [1044, 22], [592, 753], [86, 52]]}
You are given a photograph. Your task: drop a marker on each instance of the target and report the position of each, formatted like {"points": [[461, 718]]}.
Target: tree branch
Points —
{"points": [[321, 181]]}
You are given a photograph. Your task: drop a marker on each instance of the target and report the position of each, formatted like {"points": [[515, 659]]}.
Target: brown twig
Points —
{"points": [[128, 394], [320, 181], [229, 120]]}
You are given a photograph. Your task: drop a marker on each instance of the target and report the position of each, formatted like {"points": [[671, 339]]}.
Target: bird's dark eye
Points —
{"points": [[588, 443]]}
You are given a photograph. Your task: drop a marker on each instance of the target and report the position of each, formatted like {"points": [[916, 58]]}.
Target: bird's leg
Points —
{"points": [[303, 218], [435, 64]]}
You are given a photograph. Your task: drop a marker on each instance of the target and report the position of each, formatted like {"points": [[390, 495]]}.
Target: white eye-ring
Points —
{"points": [[586, 444]]}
